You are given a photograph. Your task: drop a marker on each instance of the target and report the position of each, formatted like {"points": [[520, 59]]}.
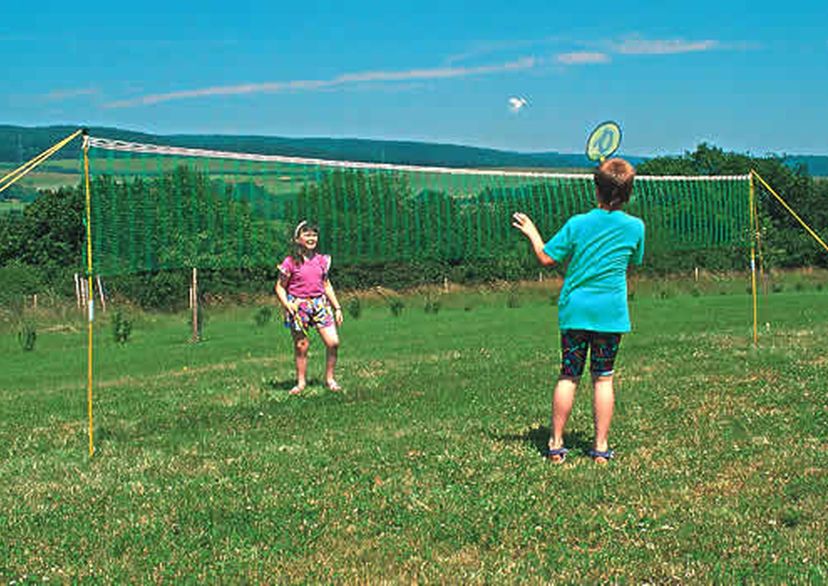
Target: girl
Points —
{"points": [[308, 299], [592, 308]]}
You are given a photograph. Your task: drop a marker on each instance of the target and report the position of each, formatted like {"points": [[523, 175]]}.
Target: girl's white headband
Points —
{"points": [[299, 227]]}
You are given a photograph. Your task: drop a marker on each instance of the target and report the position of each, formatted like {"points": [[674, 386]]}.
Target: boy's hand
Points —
{"points": [[525, 224]]}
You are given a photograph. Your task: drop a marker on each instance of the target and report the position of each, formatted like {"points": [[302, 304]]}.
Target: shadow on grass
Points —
{"points": [[285, 385], [538, 437]]}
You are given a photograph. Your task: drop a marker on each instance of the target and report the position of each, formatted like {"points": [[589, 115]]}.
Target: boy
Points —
{"points": [[592, 307]]}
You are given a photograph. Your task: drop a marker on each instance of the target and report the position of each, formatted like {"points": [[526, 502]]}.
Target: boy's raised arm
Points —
{"points": [[525, 224]]}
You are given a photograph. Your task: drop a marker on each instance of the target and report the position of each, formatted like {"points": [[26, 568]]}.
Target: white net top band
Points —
{"points": [[154, 149]]}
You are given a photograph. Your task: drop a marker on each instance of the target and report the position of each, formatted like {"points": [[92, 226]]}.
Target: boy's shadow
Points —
{"points": [[538, 437]]}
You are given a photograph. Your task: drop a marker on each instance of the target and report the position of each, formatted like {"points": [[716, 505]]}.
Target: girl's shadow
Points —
{"points": [[538, 437], [285, 385]]}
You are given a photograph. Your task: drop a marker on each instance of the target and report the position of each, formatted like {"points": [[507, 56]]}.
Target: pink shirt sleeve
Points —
{"points": [[326, 266], [287, 267]]}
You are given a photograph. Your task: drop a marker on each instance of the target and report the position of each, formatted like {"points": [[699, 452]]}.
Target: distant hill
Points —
{"points": [[18, 144], [817, 165]]}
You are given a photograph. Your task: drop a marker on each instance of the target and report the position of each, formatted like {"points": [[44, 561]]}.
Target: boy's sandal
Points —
{"points": [[295, 390], [333, 386], [601, 457], [556, 455]]}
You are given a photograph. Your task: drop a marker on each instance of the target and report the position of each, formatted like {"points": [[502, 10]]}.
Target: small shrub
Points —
{"points": [[819, 286], [396, 306], [432, 305], [791, 517], [201, 321], [512, 300], [121, 328], [263, 316], [799, 287], [27, 336], [695, 292], [354, 307], [778, 288]]}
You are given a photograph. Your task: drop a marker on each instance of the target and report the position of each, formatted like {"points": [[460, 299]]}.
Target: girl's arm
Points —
{"points": [[524, 223], [281, 294], [331, 294]]}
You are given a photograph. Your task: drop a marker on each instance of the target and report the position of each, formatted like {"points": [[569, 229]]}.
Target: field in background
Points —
{"points": [[428, 467]]}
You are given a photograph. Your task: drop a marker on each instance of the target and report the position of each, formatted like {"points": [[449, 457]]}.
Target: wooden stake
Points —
{"points": [[77, 291], [194, 289], [84, 296], [101, 294]]}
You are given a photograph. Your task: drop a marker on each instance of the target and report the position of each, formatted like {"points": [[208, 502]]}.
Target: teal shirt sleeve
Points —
{"points": [[638, 251], [560, 246]]}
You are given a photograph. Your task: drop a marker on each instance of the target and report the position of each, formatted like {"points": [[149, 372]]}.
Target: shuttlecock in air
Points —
{"points": [[516, 104]]}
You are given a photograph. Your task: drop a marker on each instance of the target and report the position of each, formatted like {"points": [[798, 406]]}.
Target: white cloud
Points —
{"points": [[338, 81], [61, 95], [582, 58], [664, 46]]}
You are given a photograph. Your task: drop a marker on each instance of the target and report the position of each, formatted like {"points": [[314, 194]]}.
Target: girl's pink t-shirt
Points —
{"points": [[306, 279]]}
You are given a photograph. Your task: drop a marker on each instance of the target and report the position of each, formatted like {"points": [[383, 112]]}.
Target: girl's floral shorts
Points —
{"points": [[314, 312]]}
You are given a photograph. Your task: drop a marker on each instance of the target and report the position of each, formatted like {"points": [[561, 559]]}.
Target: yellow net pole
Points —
{"points": [[12, 177], [753, 232], [91, 296]]}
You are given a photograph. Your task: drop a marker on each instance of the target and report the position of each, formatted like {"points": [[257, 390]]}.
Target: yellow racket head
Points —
{"points": [[603, 141]]}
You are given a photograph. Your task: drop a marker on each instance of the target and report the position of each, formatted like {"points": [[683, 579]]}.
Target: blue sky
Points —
{"points": [[672, 74]]}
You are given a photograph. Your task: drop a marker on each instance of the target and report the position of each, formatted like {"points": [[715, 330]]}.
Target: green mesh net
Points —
{"points": [[157, 207]]}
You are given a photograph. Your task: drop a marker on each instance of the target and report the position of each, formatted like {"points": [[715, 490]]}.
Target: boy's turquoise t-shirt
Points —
{"points": [[598, 245]]}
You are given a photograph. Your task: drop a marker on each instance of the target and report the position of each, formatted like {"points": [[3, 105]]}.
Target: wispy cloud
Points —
{"points": [[664, 46], [323, 84], [501, 47], [582, 58], [62, 95]]}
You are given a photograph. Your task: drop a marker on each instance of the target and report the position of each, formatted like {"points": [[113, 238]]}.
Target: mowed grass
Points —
{"points": [[428, 467]]}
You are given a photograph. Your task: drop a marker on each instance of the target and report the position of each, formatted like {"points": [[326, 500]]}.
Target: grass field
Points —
{"points": [[428, 467]]}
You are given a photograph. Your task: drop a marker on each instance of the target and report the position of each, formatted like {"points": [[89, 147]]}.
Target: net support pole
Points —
{"points": [[753, 232], [91, 302]]}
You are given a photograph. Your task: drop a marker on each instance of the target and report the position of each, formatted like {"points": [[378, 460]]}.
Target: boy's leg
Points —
{"points": [[603, 405], [574, 345], [561, 408], [603, 350], [330, 337], [300, 353]]}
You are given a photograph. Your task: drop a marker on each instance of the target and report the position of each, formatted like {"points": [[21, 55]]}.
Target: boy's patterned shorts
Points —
{"points": [[603, 347], [313, 312]]}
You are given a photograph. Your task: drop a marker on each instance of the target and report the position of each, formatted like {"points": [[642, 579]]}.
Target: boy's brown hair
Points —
{"points": [[614, 182]]}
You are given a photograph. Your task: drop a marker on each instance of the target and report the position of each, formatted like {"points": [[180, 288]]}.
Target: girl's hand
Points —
{"points": [[525, 224], [338, 315], [292, 307]]}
